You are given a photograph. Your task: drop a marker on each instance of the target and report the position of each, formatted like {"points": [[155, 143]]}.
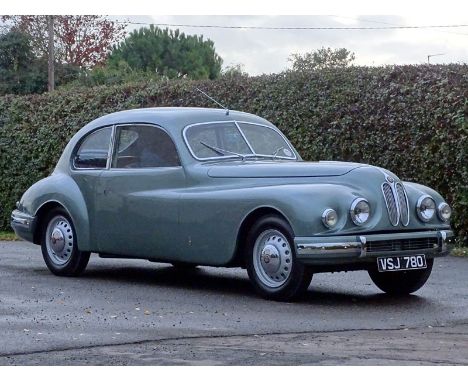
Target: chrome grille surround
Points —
{"points": [[403, 204], [396, 201], [392, 206]]}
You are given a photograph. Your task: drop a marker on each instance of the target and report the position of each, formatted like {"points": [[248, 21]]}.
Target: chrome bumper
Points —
{"points": [[23, 224], [336, 249]]}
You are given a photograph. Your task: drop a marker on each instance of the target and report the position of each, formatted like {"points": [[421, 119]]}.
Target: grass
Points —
{"points": [[8, 236], [460, 251]]}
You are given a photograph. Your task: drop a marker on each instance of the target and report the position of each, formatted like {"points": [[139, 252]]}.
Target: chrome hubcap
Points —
{"points": [[272, 258], [59, 240]]}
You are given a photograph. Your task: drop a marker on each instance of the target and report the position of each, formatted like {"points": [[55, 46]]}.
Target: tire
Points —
{"points": [[59, 245], [401, 282], [271, 260]]}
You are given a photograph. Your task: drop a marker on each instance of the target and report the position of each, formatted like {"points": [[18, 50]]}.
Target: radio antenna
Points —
{"points": [[212, 99]]}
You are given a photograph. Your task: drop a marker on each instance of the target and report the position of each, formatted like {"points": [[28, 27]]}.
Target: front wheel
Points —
{"points": [[401, 282], [59, 246], [271, 260]]}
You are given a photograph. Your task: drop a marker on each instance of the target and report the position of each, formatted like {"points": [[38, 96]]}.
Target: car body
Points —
{"points": [[201, 186]]}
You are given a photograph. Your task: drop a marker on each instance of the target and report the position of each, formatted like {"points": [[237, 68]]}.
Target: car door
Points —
{"points": [[138, 199], [90, 158]]}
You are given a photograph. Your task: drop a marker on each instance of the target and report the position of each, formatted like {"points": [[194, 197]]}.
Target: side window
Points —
{"points": [[94, 150], [140, 146]]}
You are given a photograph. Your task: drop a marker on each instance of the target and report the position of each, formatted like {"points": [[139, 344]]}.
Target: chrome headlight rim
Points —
{"points": [[325, 216], [420, 213], [440, 207], [353, 214]]}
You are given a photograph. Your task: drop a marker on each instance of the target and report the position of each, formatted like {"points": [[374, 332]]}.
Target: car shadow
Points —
{"points": [[168, 276], [237, 284]]}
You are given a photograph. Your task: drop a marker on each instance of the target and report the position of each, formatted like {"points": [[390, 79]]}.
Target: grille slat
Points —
{"points": [[391, 203], [403, 203], [402, 245]]}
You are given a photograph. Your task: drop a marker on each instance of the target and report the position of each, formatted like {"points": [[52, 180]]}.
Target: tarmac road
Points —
{"points": [[140, 313]]}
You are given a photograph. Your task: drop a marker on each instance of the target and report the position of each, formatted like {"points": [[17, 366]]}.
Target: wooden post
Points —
{"points": [[51, 79]]}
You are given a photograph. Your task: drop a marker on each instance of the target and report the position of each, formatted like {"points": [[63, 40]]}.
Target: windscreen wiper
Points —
{"points": [[222, 151], [276, 152]]}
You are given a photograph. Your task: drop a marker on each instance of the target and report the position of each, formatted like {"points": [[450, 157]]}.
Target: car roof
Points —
{"points": [[174, 118]]}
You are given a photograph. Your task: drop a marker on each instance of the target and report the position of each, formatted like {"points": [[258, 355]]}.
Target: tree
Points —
{"points": [[20, 71], [321, 59], [168, 53], [80, 40], [234, 71]]}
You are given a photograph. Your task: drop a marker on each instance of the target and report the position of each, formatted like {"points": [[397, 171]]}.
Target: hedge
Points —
{"points": [[411, 120]]}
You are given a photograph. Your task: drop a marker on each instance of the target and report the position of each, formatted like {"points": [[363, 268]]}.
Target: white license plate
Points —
{"points": [[401, 263]]}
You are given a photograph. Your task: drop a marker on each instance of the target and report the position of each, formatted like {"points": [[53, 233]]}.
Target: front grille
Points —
{"points": [[391, 203], [403, 204], [396, 202], [402, 245]]}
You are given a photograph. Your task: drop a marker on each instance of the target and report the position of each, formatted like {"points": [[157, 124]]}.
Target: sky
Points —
{"points": [[267, 51]]}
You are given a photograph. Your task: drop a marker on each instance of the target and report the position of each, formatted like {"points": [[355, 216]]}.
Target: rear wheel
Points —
{"points": [[271, 260], [401, 282], [59, 246]]}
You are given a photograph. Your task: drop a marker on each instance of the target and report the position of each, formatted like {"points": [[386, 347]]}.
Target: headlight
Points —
{"points": [[425, 208], [360, 211], [444, 211], [329, 218]]}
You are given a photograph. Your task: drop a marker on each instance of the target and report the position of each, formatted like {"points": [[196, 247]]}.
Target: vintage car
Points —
{"points": [[195, 186]]}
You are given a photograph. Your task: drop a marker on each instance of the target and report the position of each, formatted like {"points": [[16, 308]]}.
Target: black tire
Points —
{"points": [[74, 261], [299, 277], [401, 282]]}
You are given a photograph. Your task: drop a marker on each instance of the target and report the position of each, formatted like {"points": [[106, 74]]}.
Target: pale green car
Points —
{"points": [[193, 186]]}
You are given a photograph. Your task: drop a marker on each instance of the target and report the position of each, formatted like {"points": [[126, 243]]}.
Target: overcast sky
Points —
{"points": [[267, 51]]}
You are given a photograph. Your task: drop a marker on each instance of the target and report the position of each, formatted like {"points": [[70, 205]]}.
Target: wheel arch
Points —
{"points": [[58, 190], [41, 213], [248, 221]]}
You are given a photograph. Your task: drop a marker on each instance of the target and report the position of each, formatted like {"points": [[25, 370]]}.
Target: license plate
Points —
{"points": [[401, 263]]}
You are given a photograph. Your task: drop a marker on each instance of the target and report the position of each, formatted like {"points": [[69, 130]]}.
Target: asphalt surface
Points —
{"points": [[139, 313]]}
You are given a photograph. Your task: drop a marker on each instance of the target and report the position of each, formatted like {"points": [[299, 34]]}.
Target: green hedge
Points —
{"points": [[409, 119]]}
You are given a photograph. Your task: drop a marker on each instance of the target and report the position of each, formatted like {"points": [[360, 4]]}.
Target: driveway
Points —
{"points": [[140, 313]]}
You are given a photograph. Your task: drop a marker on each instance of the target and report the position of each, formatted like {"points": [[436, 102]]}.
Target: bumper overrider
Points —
{"points": [[23, 224], [335, 250]]}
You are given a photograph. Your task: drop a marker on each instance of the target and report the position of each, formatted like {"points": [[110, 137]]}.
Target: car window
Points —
{"points": [[140, 146], [94, 150], [225, 136], [266, 141]]}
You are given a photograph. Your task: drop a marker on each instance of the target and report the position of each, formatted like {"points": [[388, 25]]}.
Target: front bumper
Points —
{"points": [[336, 250], [23, 224]]}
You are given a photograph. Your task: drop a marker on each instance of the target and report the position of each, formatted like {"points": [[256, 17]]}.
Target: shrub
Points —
{"points": [[409, 119]]}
